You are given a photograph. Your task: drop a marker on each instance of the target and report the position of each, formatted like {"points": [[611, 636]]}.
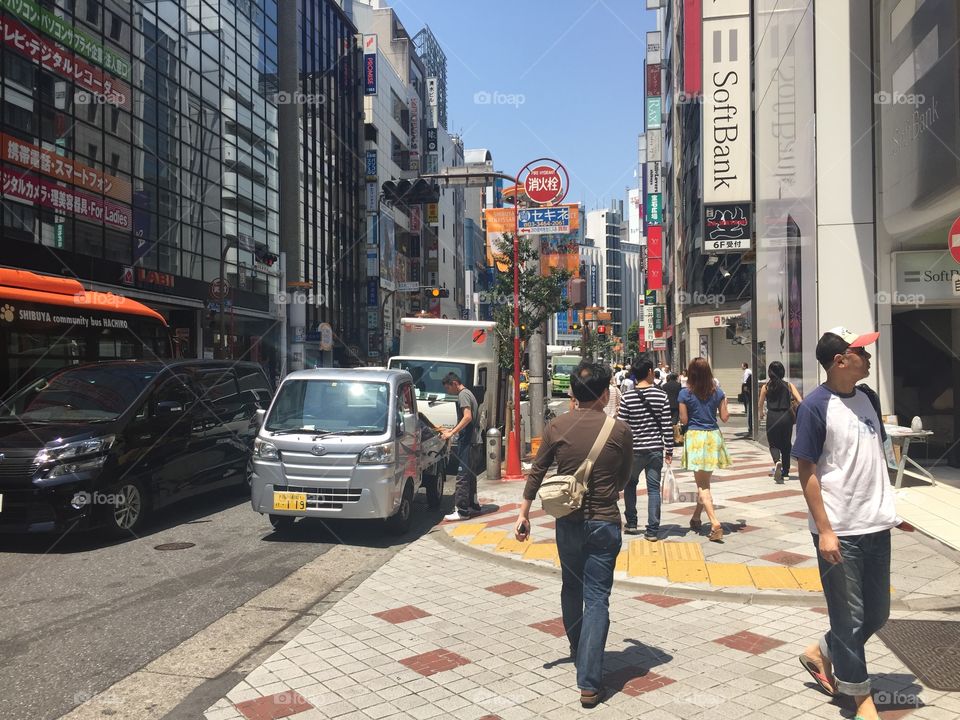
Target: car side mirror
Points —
{"points": [[260, 416], [168, 408]]}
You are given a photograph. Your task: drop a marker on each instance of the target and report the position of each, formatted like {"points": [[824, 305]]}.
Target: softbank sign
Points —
{"points": [[726, 101]]}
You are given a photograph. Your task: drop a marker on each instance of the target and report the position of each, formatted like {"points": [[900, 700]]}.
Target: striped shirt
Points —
{"points": [[647, 436]]}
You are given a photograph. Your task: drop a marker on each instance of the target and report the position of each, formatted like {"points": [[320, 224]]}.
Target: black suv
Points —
{"points": [[101, 445]]}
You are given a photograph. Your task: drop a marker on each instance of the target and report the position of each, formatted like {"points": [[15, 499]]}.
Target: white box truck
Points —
{"points": [[430, 348]]}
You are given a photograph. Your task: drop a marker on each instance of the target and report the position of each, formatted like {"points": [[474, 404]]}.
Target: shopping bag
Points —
{"points": [[669, 493]]}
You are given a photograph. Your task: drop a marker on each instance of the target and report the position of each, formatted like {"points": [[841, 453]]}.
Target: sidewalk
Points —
{"points": [[437, 634], [767, 554], [453, 629]]}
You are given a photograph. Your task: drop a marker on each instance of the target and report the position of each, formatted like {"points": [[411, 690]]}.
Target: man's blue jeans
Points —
{"points": [[588, 553], [652, 463], [857, 591]]}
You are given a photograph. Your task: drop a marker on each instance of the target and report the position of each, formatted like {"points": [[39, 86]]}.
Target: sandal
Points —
{"points": [[819, 677], [716, 534]]}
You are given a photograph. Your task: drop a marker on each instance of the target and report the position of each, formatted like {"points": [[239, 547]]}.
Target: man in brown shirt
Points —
{"points": [[588, 540]]}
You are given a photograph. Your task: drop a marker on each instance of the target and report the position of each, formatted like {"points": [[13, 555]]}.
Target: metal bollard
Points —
{"points": [[494, 453]]}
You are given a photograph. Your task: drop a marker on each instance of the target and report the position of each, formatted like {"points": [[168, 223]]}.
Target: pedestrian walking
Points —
{"points": [[780, 398], [843, 473], [468, 448], [703, 448], [588, 539], [672, 388], [628, 382], [613, 404], [746, 393], [646, 409]]}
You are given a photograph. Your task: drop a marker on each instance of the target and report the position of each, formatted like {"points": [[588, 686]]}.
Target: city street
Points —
{"points": [[111, 609]]}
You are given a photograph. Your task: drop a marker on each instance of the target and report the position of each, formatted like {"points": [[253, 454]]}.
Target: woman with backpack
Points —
{"points": [[779, 397], [703, 448]]}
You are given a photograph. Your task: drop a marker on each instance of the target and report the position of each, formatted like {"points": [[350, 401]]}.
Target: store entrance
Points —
{"points": [[926, 372]]}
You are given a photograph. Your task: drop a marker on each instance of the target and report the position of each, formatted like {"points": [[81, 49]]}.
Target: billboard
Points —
{"points": [[653, 47], [370, 64]]}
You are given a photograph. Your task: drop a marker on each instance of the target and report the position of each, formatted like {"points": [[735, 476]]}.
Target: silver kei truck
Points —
{"points": [[346, 443]]}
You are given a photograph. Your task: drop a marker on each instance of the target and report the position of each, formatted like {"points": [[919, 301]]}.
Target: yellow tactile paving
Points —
{"points": [[512, 545], [686, 551], [645, 559], [622, 561], [542, 551], [489, 537], [772, 578], [807, 578], [467, 530], [687, 571], [729, 575]]}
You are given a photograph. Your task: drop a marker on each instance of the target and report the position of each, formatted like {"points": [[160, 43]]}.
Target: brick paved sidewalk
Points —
{"points": [[767, 549], [435, 633]]}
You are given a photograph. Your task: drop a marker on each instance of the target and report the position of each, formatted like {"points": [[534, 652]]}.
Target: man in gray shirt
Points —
{"points": [[468, 448]]}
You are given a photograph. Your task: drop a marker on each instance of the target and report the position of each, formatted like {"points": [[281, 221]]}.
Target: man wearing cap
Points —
{"points": [[843, 472]]}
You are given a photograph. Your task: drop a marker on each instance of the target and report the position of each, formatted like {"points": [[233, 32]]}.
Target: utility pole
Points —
{"points": [[535, 373]]}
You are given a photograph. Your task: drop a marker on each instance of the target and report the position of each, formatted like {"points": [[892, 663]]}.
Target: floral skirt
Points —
{"points": [[704, 450]]}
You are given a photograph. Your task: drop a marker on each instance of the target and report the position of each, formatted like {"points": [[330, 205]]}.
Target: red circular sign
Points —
{"points": [[543, 184], [953, 240]]}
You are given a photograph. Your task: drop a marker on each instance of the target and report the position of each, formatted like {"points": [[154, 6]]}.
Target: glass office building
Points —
{"points": [[139, 155]]}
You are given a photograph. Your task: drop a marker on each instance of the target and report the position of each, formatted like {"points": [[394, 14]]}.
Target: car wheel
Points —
{"points": [[400, 521], [282, 523], [129, 513], [433, 482]]}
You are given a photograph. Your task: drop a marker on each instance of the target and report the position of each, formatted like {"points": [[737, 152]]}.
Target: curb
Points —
{"points": [[949, 603]]}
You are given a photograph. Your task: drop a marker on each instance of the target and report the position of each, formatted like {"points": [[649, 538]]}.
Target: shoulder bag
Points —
{"points": [[794, 405], [561, 495]]}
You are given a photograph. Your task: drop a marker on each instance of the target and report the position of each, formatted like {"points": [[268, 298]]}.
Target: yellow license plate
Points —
{"points": [[289, 501]]}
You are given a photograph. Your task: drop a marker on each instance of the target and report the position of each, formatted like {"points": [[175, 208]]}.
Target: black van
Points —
{"points": [[101, 445]]}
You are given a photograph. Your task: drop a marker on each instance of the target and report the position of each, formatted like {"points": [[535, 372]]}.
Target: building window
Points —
{"points": [[93, 11]]}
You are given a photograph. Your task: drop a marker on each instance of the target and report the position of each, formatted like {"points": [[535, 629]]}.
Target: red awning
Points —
{"points": [[23, 286]]}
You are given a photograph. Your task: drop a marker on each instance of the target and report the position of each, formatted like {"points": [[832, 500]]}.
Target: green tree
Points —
{"points": [[633, 341], [599, 347], [540, 295]]}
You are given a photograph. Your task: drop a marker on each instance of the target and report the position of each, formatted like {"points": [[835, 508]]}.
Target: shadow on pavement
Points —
{"points": [[191, 510]]}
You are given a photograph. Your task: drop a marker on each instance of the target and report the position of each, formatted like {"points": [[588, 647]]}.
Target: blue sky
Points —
{"points": [[554, 78]]}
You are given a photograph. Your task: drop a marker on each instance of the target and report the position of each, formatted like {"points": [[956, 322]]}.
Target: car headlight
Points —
{"points": [[71, 468], [265, 450], [379, 454], [80, 448]]}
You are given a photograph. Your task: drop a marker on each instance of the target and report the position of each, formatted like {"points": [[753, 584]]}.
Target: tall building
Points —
{"points": [[141, 158], [321, 173], [604, 227], [398, 235]]}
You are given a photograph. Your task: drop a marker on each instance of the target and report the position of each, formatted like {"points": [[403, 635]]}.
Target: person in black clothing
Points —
{"points": [[777, 394], [672, 388]]}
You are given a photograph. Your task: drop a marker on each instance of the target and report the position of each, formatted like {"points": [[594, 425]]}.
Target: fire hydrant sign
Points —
{"points": [[543, 185]]}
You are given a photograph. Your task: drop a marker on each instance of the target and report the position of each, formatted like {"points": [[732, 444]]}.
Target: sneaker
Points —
{"points": [[778, 473], [631, 530], [772, 471], [652, 537], [457, 515]]}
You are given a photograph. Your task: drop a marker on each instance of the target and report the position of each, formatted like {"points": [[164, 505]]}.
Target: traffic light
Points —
{"points": [[263, 255], [574, 326], [439, 292], [405, 192], [601, 330]]}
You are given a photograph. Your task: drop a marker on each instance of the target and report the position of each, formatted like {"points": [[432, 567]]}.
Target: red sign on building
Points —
{"points": [[653, 80]]}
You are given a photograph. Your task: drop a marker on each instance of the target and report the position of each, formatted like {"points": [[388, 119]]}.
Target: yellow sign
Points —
{"points": [[433, 213]]}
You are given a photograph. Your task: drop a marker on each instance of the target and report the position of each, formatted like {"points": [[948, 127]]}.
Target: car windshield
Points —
{"points": [[330, 406], [78, 394], [564, 369], [428, 375]]}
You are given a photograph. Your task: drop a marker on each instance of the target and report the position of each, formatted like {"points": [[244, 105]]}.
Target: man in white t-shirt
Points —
{"points": [[843, 472]]}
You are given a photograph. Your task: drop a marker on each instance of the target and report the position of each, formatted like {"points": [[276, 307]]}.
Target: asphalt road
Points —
{"points": [[78, 614]]}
